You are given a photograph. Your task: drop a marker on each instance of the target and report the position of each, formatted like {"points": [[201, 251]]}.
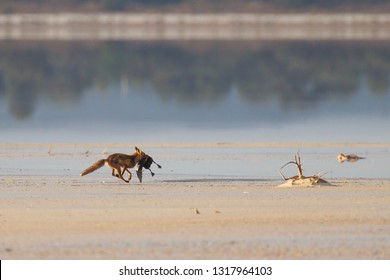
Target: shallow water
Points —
{"points": [[54, 92], [176, 92], [192, 164]]}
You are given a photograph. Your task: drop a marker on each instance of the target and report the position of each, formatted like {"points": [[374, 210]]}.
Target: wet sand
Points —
{"points": [[82, 218], [47, 211]]}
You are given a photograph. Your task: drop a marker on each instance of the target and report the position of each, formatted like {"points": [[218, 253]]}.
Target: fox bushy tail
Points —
{"points": [[93, 167]]}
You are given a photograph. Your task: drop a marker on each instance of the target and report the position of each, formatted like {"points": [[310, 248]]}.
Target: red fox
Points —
{"points": [[119, 163]]}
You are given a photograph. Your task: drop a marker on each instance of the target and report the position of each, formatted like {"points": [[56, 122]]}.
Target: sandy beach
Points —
{"points": [[65, 216], [195, 26]]}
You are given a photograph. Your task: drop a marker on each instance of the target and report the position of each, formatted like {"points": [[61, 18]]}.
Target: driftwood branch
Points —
{"points": [[298, 164], [300, 179]]}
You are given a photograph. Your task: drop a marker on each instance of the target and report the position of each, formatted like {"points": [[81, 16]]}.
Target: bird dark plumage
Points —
{"points": [[146, 163]]}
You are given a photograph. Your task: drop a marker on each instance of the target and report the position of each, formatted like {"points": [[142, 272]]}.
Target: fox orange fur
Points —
{"points": [[119, 163]]}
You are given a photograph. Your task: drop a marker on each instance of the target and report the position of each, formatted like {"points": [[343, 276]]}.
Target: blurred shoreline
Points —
{"points": [[179, 26], [286, 144]]}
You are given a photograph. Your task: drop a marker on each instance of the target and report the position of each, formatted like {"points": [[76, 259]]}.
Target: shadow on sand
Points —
{"points": [[214, 180]]}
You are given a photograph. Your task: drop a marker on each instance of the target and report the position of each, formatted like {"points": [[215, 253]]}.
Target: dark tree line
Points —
{"points": [[291, 73]]}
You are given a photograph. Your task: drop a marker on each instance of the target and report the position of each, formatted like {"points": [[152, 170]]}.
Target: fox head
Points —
{"points": [[139, 152]]}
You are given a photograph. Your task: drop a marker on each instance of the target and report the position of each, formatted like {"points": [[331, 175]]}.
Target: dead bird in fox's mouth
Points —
{"points": [[145, 162], [350, 158]]}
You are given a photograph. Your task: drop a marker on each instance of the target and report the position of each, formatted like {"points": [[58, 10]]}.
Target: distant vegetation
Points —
{"points": [[294, 74], [12, 6]]}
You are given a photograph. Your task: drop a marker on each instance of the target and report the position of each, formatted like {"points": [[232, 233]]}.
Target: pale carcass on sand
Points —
{"points": [[300, 180]]}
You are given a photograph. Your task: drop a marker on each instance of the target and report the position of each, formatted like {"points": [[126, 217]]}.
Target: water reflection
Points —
{"points": [[221, 82]]}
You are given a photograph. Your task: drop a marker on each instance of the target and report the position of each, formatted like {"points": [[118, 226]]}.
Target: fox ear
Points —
{"points": [[138, 150]]}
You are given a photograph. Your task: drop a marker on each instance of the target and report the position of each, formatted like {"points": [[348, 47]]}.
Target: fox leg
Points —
{"points": [[119, 174], [127, 170], [115, 174]]}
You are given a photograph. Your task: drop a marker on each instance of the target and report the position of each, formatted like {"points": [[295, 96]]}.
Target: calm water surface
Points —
{"points": [[143, 92], [233, 91]]}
